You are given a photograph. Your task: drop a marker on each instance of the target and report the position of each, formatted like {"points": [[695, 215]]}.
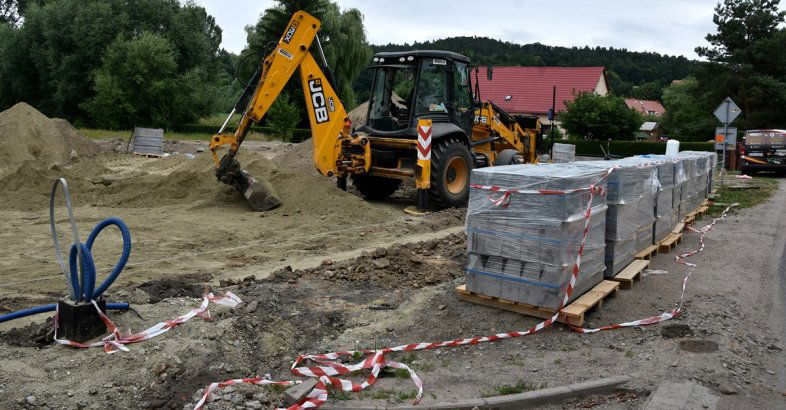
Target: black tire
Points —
{"points": [[507, 157], [375, 187], [449, 180]]}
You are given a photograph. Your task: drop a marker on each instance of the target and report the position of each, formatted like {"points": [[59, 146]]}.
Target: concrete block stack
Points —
{"points": [[706, 168], [698, 169], [667, 200], [524, 249], [631, 201]]}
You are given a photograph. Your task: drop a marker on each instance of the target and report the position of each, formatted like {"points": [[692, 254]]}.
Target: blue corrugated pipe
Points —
{"points": [[84, 286]]}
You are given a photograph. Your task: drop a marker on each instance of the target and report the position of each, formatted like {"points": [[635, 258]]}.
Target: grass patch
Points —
{"points": [[629, 354], [517, 388], [406, 395], [218, 119], [341, 395], [746, 198], [382, 394], [277, 388]]}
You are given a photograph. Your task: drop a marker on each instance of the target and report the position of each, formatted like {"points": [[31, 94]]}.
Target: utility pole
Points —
{"points": [[552, 116]]}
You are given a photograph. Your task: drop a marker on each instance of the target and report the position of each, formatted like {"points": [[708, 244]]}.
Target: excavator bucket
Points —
{"points": [[261, 196]]}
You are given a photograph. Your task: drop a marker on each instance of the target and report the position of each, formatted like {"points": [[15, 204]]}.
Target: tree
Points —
{"points": [[138, 84], [595, 117], [688, 113], [342, 35], [282, 118], [56, 53], [747, 61], [650, 90]]}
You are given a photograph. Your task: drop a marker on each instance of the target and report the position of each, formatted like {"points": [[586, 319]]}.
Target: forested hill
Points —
{"points": [[625, 69]]}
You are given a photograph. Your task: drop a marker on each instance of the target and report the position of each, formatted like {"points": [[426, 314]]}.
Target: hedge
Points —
{"points": [[630, 148], [298, 134]]}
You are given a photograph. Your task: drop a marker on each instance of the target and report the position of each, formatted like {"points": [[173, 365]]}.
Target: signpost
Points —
{"points": [[726, 112], [725, 137]]}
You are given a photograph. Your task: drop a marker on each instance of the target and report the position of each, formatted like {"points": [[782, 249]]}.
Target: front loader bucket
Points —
{"points": [[260, 195]]}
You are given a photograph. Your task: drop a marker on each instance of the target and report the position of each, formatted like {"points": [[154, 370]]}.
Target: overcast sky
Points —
{"points": [[673, 27]]}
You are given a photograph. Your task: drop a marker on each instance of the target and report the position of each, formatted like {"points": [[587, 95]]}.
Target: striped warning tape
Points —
{"points": [[329, 367], [681, 259], [117, 341]]}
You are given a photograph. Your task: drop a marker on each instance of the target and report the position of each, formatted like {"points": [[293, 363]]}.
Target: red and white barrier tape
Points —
{"points": [[376, 361], [681, 259], [116, 340], [504, 200]]}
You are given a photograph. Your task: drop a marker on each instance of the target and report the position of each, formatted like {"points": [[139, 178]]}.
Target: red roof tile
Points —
{"points": [[531, 87], [645, 106]]}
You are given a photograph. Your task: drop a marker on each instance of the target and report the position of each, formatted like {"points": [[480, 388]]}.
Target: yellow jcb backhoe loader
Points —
{"points": [[424, 123]]}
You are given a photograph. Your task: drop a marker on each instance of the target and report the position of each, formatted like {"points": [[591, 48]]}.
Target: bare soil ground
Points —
{"points": [[325, 273]]}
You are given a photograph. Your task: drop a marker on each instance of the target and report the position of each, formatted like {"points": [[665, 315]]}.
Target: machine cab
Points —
{"points": [[419, 84]]}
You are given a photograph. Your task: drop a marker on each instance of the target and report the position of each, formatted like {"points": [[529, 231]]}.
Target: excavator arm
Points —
{"points": [[327, 116]]}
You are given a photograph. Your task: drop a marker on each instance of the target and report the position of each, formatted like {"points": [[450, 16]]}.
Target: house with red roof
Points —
{"points": [[529, 90], [646, 107]]}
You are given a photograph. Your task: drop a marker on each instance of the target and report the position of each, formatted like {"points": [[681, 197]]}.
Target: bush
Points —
{"points": [[631, 148], [282, 118], [597, 117]]}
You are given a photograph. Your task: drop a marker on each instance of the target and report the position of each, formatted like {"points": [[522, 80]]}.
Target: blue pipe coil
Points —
{"points": [[83, 281]]}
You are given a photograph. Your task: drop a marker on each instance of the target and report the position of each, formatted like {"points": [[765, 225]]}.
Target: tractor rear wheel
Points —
{"points": [[375, 187], [451, 163]]}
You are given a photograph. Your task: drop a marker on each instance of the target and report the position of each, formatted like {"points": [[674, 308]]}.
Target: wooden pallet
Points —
{"points": [[573, 314], [148, 155], [679, 228], [670, 242], [630, 273], [648, 252]]}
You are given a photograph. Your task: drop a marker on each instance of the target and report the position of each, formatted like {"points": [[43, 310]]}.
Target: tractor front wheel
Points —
{"points": [[451, 163]]}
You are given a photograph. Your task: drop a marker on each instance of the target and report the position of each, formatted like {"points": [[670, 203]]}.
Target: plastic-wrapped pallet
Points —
{"points": [[522, 247], [631, 201], [666, 206], [704, 170]]}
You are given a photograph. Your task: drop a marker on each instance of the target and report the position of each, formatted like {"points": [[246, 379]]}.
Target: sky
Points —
{"points": [[673, 27]]}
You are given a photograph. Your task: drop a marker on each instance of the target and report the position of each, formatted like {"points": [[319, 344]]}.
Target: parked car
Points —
{"points": [[763, 150]]}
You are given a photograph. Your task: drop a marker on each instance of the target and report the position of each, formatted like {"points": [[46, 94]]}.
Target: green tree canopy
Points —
{"points": [[54, 59], [343, 39], [595, 117], [688, 113], [747, 61]]}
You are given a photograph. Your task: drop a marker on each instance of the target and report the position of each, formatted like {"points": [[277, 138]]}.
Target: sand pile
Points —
{"points": [[192, 183], [28, 135], [299, 159], [35, 151]]}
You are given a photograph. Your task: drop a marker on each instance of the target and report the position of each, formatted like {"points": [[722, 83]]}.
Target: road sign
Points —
{"points": [[727, 111], [731, 138]]}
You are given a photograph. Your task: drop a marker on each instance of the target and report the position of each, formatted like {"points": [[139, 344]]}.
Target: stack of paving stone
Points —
{"points": [[631, 200], [666, 202], [523, 247]]}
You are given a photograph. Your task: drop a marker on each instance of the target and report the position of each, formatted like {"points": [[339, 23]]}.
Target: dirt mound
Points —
{"points": [[359, 115], [299, 159], [417, 265], [193, 182], [28, 135]]}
